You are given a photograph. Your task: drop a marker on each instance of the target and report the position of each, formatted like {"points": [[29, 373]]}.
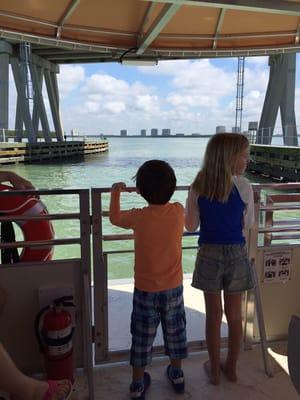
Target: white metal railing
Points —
{"points": [[277, 209], [274, 136], [82, 217]]}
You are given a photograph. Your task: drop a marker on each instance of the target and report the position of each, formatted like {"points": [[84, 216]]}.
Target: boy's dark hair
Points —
{"points": [[156, 181]]}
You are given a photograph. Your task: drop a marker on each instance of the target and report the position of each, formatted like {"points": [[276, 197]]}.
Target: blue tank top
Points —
{"points": [[222, 223]]}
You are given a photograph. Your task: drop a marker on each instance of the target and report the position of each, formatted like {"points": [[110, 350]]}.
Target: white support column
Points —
{"points": [[23, 102], [35, 113], [5, 51], [287, 105], [272, 99], [18, 121], [280, 93], [39, 104], [56, 92], [50, 84]]}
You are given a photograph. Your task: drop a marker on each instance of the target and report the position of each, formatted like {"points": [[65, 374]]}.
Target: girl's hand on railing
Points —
{"points": [[16, 180]]}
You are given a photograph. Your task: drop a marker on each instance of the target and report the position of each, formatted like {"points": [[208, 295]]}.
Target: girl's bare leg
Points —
{"points": [[13, 381], [213, 304], [233, 312]]}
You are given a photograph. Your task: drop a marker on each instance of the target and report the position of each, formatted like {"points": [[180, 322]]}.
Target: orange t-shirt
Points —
{"points": [[157, 242]]}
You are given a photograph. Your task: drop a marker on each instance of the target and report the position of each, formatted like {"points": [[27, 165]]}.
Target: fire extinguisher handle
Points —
{"points": [[67, 304], [62, 300]]}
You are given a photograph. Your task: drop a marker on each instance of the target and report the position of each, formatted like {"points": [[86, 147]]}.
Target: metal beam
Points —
{"points": [[161, 21], [70, 9], [218, 27], [148, 12], [22, 101], [297, 37], [263, 6]]}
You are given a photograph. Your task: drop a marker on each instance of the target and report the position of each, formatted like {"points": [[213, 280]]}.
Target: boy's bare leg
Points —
{"points": [[138, 373], [176, 363], [213, 304], [233, 312]]}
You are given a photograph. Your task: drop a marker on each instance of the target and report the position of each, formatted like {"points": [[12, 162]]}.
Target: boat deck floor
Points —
{"points": [[112, 381]]}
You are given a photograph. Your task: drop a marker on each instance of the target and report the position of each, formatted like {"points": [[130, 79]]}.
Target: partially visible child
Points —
{"points": [[158, 291], [221, 201], [12, 379]]}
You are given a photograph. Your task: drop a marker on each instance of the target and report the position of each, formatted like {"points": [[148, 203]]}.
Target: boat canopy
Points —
{"points": [[64, 31]]}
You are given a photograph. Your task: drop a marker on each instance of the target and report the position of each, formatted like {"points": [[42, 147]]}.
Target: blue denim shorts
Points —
{"points": [[222, 267], [149, 309]]}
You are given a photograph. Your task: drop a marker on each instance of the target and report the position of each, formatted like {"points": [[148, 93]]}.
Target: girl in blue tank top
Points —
{"points": [[220, 200]]}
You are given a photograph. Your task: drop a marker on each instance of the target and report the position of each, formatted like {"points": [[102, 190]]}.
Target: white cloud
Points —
{"points": [[69, 78], [147, 103], [185, 96], [114, 107], [105, 84]]}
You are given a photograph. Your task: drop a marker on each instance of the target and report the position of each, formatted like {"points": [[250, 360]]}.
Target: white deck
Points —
{"points": [[120, 306], [112, 381]]}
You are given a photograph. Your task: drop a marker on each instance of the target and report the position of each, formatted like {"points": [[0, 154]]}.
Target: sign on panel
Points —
{"points": [[277, 266]]}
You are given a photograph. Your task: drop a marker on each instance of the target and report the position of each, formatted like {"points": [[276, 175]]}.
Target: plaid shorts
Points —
{"points": [[222, 267], [149, 309]]}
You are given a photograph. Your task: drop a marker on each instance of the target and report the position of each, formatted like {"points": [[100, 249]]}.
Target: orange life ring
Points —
{"points": [[33, 230]]}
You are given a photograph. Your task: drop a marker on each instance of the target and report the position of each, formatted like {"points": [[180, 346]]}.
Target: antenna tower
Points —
{"points": [[239, 94]]}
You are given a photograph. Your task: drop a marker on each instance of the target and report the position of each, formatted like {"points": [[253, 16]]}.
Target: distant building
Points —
{"points": [[252, 125], [252, 131], [143, 132], [196, 134], [123, 132], [166, 132], [235, 129], [179, 134], [220, 129], [154, 132]]}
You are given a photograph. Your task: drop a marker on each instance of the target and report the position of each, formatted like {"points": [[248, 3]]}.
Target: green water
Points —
{"points": [[119, 164]]}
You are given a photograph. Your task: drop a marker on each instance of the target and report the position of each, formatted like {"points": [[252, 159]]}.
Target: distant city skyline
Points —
{"points": [[185, 96]]}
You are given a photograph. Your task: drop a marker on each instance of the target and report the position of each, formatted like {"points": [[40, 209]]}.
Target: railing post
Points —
{"points": [[85, 229], [100, 280]]}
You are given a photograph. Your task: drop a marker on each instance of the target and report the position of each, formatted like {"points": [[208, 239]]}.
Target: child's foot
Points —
{"points": [[213, 377], [176, 377], [230, 373], [137, 389], [58, 390]]}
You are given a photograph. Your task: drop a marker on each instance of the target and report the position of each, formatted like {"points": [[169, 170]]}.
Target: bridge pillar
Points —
{"points": [[29, 71], [280, 93], [5, 52]]}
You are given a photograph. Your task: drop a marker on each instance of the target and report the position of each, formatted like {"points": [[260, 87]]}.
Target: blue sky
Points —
{"points": [[186, 96]]}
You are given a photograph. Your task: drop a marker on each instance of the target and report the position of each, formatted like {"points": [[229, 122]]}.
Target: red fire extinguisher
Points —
{"points": [[54, 332]]}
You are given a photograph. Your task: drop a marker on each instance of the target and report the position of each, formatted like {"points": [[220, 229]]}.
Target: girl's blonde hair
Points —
{"points": [[214, 180]]}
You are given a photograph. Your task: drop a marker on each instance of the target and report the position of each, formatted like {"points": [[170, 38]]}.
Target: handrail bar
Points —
{"points": [[287, 222], [132, 188], [129, 236], [276, 186], [279, 208], [132, 250], [40, 243], [4, 218], [279, 229], [47, 192]]}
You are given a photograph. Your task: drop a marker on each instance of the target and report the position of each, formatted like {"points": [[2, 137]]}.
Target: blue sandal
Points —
{"points": [[177, 380], [138, 391]]}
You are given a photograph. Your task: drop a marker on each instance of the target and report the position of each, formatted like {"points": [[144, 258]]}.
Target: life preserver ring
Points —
{"points": [[33, 230]]}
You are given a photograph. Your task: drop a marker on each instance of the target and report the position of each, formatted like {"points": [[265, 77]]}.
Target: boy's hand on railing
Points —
{"points": [[121, 187]]}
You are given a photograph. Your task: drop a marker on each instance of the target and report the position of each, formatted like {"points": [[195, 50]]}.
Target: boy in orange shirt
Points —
{"points": [[158, 292]]}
